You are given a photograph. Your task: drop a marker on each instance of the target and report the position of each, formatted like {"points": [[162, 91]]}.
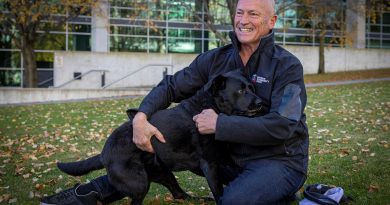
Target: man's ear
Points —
{"points": [[218, 84]]}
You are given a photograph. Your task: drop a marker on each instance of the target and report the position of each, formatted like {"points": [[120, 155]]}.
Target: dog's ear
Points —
{"points": [[218, 83], [131, 113]]}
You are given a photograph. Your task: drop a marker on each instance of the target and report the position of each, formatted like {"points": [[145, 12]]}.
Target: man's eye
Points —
{"points": [[241, 92]]}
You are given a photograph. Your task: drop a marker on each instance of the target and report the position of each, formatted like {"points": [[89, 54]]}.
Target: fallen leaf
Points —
{"points": [[373, 188], [168, 197], [5, 197], [31, 195], [371, 139], [13, 200], [344, 153], [39, 186], [364, 150]]}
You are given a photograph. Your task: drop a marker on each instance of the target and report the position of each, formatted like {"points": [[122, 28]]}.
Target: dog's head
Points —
{"points": [[233, 94]]}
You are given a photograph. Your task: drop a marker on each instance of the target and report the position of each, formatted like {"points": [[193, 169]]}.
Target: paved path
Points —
{"points": [[345, 82], [308, 85]]}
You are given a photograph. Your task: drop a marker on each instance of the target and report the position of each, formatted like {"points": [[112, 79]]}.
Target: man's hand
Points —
{"points": [[143, 131], [206, 121]]}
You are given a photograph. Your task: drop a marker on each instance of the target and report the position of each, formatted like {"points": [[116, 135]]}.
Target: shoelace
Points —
{"points": [[65, 195]]}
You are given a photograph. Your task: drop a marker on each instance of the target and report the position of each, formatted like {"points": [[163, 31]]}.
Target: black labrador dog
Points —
{"points": [[131, 170]]}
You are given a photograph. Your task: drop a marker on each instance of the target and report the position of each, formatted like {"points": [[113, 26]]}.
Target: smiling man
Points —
{"points": [[253, 20], [270, 152]]}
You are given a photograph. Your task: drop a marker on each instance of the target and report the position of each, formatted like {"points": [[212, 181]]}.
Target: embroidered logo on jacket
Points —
{"points": [[259, 79]]}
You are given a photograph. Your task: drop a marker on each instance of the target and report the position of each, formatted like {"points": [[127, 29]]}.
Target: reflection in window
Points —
{"points": [[44, 59], [133, 44], [11, 78], [51, 41], [10, 59]]}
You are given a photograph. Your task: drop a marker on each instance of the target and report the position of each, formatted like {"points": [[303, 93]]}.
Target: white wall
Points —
{"points": [[341, 59], [121, 64], [118, 66], [40, 95]]}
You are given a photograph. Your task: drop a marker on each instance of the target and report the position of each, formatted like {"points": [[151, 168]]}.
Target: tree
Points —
{"points": [[327, 18], [21, 19], [210, 20]]}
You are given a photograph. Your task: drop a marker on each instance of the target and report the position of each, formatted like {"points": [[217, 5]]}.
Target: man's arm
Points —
{"points": [[174, 88]]}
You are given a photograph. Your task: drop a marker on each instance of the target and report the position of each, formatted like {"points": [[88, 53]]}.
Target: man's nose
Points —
{"points": [[244, 19]]}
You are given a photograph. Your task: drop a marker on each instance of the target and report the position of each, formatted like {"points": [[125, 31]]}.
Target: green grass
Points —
{"points": [[349, 137]]}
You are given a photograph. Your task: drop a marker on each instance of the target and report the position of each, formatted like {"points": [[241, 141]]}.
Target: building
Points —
{"points": [[172, 26]]}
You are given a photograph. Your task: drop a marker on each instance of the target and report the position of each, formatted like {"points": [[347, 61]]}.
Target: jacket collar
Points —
{"points": [[265, 41]]}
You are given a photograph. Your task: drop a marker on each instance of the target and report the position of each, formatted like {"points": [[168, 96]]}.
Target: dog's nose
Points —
{"points": [[258, 102]]}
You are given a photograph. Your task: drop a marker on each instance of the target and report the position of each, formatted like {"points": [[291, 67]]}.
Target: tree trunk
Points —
{"points": [[321, 66], [232, 9], [30, 76]]}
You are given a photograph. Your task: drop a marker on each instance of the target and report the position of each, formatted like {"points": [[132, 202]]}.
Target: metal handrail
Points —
{"points": [[79, 76], [45, 81], [132, 73]]}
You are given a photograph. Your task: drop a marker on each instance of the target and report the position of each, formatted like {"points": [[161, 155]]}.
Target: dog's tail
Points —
{"points": [[81, 167]]}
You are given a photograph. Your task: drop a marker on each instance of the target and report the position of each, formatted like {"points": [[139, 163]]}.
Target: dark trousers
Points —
{"points": [[257, 182]]}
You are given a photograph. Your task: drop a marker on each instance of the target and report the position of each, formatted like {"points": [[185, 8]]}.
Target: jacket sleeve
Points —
{"points": [[280, 124], [174, 88]]}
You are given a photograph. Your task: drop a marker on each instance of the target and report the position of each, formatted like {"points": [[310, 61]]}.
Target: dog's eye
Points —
{"points": [[241, 92]]}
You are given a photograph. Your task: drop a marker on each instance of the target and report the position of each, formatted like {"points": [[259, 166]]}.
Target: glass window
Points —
{"points": [[125, 30], [79, 42], [279, 38], [51, 26], [159, 15], [10, 59], [44, 59], [157, 45], [10, 78], [181, 11], [79, 28], [51, 41], [386, 44], [6, 42], [375, 28], [131, 13], [184, 46], [133, 44], [185, 33], [219, 12], [386, 29], [386, 18], [156, 31], [373, 43]]}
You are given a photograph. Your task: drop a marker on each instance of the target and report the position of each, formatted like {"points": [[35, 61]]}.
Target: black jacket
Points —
{"points": [[278, 78]]}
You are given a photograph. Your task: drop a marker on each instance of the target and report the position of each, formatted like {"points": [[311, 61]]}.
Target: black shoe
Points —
{"points": [[70, 197]]}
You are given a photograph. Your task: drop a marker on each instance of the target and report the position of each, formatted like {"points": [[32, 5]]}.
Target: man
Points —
{"points": [[271, 151]]}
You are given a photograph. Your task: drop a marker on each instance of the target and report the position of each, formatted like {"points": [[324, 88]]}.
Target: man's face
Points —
{"points": [[253, 20]]}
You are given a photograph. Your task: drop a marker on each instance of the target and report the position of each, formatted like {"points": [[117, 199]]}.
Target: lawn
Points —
{"points": [[348, 125]]}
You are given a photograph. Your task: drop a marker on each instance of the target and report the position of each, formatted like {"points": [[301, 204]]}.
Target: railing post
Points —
{"points": [[103, 79], [165, 72]]}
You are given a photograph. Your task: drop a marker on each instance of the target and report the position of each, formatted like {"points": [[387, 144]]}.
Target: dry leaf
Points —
{"points": [[371, 139], [39, 186], [168, 197], [373, 188]]}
